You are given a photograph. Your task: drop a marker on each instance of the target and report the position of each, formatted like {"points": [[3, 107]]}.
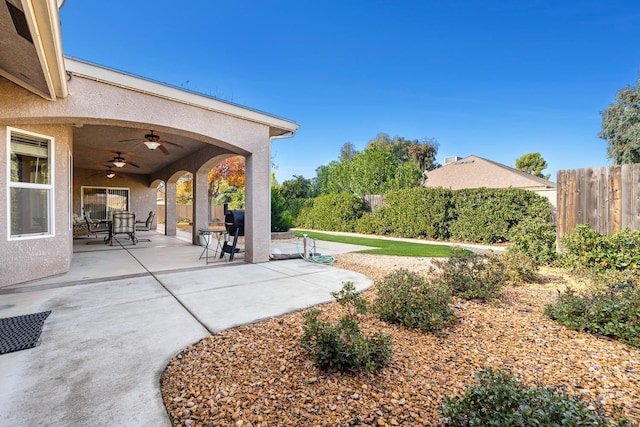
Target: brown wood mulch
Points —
{"points": [[257, 375]]}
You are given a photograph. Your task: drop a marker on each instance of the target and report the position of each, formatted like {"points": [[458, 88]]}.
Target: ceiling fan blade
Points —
{"points": [[164, 150], [171, 143], [129, 140], [133, 164]]}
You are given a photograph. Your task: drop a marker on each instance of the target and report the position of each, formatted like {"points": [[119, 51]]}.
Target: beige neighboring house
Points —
{"points": [[65, 123], [477, 172]]}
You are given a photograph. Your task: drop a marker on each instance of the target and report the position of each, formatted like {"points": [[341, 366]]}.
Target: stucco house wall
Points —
{"points": [[99, 101], [32, 258]]}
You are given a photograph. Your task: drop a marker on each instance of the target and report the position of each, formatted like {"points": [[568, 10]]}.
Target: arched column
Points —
{"points": [[200, 204], [258, 203], [170, 201]]}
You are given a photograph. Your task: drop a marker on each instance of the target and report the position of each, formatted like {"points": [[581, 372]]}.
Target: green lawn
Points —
{"points": [[383, 246]]}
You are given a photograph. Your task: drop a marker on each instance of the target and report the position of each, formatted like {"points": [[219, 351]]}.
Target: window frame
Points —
{"points": [[49, 188]]}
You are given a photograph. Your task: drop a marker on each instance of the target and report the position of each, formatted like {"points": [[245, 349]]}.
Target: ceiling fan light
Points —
{"points": [[152, 145], [110, 174], [119, 163]]}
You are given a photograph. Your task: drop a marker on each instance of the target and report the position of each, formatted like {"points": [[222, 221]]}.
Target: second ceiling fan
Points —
{"points": [[153, 141]]}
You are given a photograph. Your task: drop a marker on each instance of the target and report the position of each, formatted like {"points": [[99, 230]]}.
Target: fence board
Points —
{"points": [[615, 204], [626, 198], [635, 183], [606, 198]]}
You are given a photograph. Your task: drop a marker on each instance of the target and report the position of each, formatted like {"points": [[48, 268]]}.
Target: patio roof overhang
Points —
{"points": [[97, 142], [31, 47]]}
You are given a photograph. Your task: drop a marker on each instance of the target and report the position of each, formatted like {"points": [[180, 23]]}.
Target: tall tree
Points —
{"points": [[297, 188], [621, 126], [421, 153], [347, 151], [532, 163], [228, 173]]}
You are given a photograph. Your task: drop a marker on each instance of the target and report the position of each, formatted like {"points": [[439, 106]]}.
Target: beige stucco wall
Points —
{"points": [[28, 259], [95, 102]]}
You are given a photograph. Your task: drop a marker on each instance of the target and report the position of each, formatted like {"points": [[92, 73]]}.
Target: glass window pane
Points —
{"points": [[29, 159], [29, 211]]}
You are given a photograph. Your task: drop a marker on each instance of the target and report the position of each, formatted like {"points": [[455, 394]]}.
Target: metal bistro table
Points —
{"points": [[207, 236]]}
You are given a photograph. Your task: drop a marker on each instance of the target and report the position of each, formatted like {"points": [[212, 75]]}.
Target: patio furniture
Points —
{"points": [[146, 225], [96, 227], [123, 223], [207, 236]]}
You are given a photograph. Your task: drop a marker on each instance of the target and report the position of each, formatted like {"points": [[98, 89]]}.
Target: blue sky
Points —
{"points": [[497, 79]]}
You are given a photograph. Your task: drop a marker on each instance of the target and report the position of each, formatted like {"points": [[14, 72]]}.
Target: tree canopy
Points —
{"points": [[532, 163], [386, 164], [621, 126]]}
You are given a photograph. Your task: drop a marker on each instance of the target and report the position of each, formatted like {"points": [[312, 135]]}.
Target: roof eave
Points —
{"points": [[44, 24], [278, 126]]}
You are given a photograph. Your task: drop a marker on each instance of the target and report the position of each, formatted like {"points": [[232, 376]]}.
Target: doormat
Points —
{"points": [[21, 332]]}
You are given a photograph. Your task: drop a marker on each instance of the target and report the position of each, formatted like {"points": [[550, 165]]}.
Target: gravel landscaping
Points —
{"points": [[257, 375]]}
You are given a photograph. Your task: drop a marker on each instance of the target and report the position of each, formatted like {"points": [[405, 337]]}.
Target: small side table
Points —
{"points": [[207, 236]]}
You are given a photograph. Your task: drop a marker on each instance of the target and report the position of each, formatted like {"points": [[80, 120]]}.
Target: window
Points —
{"points": [[30, 199], [102, 202]]}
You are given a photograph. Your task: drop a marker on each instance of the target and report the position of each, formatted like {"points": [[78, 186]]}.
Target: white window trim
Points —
{"points": [[50, 187]]}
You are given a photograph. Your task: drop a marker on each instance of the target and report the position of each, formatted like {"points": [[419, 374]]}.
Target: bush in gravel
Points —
{"points": [[342, 346], [518, 267], [472, 276], [613, 312], [500, 400], [412, 301], [536, 238], [586, 247]]}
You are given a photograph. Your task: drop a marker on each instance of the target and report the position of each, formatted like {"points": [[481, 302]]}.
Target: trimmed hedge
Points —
{"points": [[483, 215], [332, 212]]}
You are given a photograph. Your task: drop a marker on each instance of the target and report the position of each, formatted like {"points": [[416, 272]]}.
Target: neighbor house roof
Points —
{"points": [[477, 172]]}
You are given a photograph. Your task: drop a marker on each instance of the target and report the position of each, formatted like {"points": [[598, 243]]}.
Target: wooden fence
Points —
{"points": [[373, 201], [606, 198], [186, 211]]}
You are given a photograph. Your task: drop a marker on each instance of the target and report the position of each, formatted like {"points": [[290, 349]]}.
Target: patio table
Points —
{"points": [[206, 234]]}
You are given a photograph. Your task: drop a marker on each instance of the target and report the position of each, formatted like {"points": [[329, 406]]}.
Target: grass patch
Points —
{"points": [[384, 246]]}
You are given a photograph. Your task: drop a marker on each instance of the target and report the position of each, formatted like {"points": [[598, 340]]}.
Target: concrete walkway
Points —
{"points": [[121, 313]]}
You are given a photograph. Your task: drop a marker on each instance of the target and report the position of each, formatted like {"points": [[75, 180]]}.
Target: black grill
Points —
{"points": [[234, 223], [234, 220]]}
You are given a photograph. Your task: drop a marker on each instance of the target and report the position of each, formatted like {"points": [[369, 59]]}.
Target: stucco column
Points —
{"points": [[257, 221], [170, 209], [200, 204]]}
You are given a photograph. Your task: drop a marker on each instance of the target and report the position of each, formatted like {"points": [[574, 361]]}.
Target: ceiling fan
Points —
{"points": [[153, 141], [119, 161], [109, 173]]}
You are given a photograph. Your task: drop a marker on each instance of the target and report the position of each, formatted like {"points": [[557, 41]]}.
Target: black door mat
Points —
{"points": [[21, 332]]}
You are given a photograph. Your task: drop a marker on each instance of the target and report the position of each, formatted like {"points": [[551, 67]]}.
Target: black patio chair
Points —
{"points": [[123, 223]]}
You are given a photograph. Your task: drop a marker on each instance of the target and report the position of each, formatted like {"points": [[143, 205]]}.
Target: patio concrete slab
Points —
{"points": [[98, 363], [121, 313]]}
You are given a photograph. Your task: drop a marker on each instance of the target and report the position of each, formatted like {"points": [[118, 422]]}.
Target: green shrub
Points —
{"points": [[342, 346], [536, 238], [296, 205], [373, 223], [281, 219], [418, 212], [613, 312], [472, 276], [412, 301], [487, 215], [518, 267], [586, 247], [500, 400], [332, 212]]}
